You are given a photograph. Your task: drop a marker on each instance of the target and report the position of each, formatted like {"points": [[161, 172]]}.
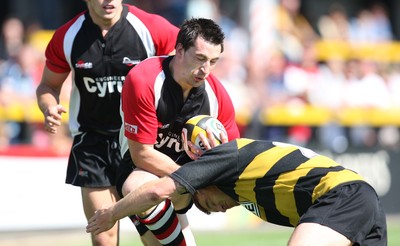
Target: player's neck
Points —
{"points": [[105, 24], [179, 78]]}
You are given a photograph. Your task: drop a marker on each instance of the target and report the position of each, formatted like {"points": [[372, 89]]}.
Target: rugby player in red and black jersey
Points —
{"points": [[99, 46], [159, 95]]}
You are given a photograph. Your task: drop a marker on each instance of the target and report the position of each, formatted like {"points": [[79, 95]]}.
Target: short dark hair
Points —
{"points": [[207, 29]]}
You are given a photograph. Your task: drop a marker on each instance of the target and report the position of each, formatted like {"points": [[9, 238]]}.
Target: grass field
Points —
{"points": [[262, 236]]}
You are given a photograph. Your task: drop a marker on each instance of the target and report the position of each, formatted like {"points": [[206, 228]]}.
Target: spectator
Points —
{"points": [[298, 80], [17, 89], [334, 26], [328, 93], [267, 80], [368, 91], [371, 25], [293, 29], [12, 38]]}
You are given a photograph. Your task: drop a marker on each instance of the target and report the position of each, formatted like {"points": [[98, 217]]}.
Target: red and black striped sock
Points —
{"points": [[140, 227], [164, 224]]}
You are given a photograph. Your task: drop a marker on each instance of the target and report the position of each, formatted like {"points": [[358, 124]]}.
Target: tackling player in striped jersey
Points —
{"points": [[280, 183]]}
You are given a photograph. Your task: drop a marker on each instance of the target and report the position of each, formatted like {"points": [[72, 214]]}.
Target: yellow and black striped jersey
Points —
{"points": [[275, 181]]}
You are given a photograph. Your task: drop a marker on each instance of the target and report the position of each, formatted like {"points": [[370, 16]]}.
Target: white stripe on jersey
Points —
{"points": [[157, 87], [143, 33], [70, 37], [75, 99], [123, 141], [213, 100]]}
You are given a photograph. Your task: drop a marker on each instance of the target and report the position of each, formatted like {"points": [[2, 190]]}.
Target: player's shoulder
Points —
{"points": [[215, 84], [66, 26], [154, 62], [145, 17], [147, 70], [213, 80], [135, 10]]}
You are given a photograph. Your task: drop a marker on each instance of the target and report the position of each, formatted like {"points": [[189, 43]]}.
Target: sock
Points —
{"points": [[164, 224], [140, 227]]}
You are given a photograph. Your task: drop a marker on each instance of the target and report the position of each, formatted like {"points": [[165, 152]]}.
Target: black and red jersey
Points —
{"points": [[99, 64], [154, 110]]}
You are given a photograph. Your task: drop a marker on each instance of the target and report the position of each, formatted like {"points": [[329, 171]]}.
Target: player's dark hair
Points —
{"points": [[207, 29]]}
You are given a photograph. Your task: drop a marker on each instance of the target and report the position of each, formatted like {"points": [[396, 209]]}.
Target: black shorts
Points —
{"points": [[123, 171], [93, 160], [127, 166], [354, 210]]}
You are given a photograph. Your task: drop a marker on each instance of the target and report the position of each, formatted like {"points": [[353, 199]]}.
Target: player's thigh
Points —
{"points": [[315, 234], [95, 198], [136, 179]]}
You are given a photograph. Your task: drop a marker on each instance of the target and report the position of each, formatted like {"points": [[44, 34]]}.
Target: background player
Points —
{"points": [[99, 46], [159, 96]]}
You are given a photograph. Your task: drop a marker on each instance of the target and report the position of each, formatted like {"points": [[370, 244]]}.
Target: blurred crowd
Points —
{"points": [[21, 66], [267, 63]]}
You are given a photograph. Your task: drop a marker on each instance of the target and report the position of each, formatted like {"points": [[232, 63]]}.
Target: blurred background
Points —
{"points": [[321, 74]]}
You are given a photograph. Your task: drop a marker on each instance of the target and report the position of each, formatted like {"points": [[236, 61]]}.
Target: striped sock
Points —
{"points": [[140, 227], [164, 224]]}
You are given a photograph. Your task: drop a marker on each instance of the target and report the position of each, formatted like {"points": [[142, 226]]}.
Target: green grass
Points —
{"points": [[255, 237], [229, 238], [239, 238], [264, 235]]}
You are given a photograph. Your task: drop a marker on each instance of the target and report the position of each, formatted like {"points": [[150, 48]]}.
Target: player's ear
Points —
{"points": [[179, 49], [196, 197]]}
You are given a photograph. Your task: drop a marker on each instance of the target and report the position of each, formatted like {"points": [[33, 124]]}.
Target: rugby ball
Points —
{"points": [[198, 124]]}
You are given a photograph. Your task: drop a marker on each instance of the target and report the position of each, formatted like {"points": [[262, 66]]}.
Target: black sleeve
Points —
{"points": [[216, 166]]}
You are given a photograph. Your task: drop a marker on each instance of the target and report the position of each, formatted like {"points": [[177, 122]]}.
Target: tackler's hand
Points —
{"points": [[101, 221]]}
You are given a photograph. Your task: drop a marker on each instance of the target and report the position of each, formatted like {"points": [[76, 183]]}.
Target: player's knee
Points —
{"points": [[316, 234], [108, 238]]}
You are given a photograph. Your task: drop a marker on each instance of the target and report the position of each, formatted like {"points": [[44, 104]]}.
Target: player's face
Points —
{"points": [[212, 199], [105, 12], [197, 62]]}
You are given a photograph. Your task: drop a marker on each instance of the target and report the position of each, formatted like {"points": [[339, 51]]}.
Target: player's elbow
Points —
{"points": [[159, 195], [155, 197], [163, 190]]}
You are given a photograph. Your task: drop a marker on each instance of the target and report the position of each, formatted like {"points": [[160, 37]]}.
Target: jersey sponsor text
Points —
{"points": [[102, 85], [131, 128], [170, 141], [252, 207]]}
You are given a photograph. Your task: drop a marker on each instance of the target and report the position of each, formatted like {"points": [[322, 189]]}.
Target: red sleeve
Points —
{"points": [[138, 100], [55, 56], [164, 33], [226, 111]]}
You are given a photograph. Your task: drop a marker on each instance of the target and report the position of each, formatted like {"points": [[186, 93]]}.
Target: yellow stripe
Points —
{"points": [[283, 190], [243, 142], [284, 197], [195, 133], [263, 162], [332, 179], [257, 169]]}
